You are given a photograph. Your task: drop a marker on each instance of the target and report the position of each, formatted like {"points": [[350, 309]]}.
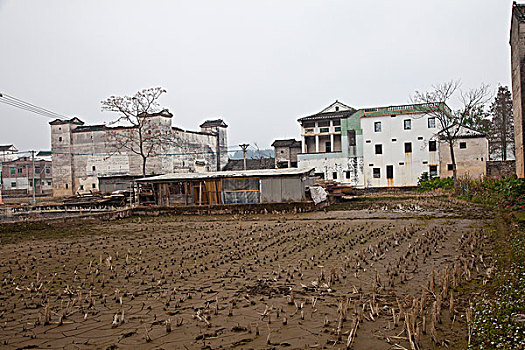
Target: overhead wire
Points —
{"points": [[24, 105]]}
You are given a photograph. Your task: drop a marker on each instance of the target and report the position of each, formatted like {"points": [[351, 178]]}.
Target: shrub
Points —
{"points": [[428, 183]]}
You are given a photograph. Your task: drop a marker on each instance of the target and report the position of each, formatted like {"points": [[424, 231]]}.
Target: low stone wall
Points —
{"points": [[501, 168], [231, 209]]}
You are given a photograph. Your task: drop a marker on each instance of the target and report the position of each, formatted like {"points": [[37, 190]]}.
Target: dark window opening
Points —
{"points": [[94, 168], [93, 186], [379, 149], [319, 175], [401, 163], [432, 146], [60, 138], [377, 126], [337, 108], [328, 147], [389, 171], [394, 140], [377, 173], [432, 122], [407, 124], [334, 175], [462, 145], [81, 188], [433, 170], [347, 174], [420, 138], [450, 167], [408, 147], [67, 185], [351, 138]]}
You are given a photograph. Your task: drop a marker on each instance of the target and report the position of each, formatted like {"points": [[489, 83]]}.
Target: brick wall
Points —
{"points": [[500, 169]]}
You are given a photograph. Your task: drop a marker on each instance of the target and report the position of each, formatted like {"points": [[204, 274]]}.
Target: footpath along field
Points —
{"points": [[382, 273]]}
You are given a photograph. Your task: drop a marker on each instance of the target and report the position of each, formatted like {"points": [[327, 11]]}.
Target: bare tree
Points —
{"points": [[471, 107], [501, 132], [136, 134]]}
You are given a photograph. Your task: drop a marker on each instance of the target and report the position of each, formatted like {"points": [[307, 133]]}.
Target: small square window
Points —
{"points": [[462, 145], [432, 146], [450, 167], [377, 173], [379, 149], [347, 174], [431, 122], [13, 184], [407, 124], [19, 170], [81, 188], [433, 170], [12, 171], [377, 126], [408, 147]]}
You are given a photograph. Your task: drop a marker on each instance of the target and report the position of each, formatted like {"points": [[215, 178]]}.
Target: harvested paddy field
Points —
{"points": [[379, 277]]}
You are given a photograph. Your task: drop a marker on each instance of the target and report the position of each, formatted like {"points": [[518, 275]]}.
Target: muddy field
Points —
{"points": [[374, 276]]}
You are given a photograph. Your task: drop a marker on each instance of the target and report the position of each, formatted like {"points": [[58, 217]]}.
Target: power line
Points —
{"points": [[24, 105], [32, 105], [18, 103]]}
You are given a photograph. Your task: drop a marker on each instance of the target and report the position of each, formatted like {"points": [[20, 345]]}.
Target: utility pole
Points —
{"points": [[33, 202], [244, 146]]}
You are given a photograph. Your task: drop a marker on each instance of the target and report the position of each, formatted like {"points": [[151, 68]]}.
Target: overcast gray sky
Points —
{"points": [[259, 65]]}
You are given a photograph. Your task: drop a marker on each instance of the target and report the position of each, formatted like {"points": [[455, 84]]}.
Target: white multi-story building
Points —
{"points": [[400, 143]]}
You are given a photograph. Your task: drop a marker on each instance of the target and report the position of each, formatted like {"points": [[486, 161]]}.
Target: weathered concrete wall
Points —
{"points": [[407, 166], [283, 154], [470, 161], [517, 44], [62, 159], [501, 169], [81, 156], [347, 170]]}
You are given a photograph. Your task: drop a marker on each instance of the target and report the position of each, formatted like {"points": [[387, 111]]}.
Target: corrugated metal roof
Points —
{"points": [[225, 174]]}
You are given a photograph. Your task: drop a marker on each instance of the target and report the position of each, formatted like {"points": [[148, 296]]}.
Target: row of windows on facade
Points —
{"points": [[407, 124], [376, 172], [13, 170], [432, 147], [13, 184]]}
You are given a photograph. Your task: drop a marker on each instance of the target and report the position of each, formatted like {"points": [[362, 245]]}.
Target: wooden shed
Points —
{"points": [[226, 187]]}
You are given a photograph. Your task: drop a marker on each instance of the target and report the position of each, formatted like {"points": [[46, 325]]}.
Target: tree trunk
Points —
{"points": [[144, 159], [453, 158], [504, 138]]}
